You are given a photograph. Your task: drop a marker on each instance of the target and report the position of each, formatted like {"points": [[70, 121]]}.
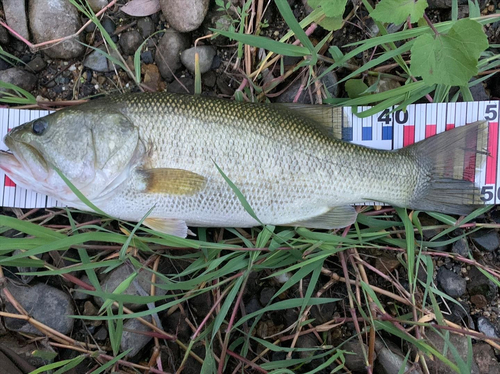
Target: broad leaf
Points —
{"points": [[397, 11], [332, 8], [449, 58]]}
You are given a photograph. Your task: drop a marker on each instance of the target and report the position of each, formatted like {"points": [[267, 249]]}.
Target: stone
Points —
{"points": [[147, 57], [152, 77], [110, 28], [44, 14], [15, 15], [208, 79], [19, 77], [486, 327], [390, 362], [4, 35], [130, 41], [479, 284], [266, 295], [485, 359], [461, 247], [329, 81], [131, 339], [37, 64], [452, 284], [206, 56], [118, 275], [167, 56], [177, 14], [288, 96], [146, 26], [458, 313], [479, 301], [97, 5], [183, 85], [77, 295], [354, 360], [461, 345], [98, 61], [486, 240], [45, 304]]}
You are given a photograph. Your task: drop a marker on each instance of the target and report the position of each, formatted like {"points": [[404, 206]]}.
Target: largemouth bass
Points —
{"points": [[130, 153]]}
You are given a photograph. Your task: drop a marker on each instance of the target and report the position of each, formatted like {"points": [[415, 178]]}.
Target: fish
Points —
{"points": [[163, 158]]}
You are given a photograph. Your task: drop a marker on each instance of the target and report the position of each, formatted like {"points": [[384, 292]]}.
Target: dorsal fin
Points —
{"points": [[325, 118]]}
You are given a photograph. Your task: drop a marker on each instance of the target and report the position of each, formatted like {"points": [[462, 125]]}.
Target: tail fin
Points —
{"points": [[447, 165]]}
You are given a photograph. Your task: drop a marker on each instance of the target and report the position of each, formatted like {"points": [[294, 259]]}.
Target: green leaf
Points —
{"points": [[331, 23], [397, 11], [332, 8], [451, 58], [355, 87]]}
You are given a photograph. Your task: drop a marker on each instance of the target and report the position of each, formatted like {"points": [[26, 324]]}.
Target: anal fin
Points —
{"points": [[169, 226], [336, 217]]}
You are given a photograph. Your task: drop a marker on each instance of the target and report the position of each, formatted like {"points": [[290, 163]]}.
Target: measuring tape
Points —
{"points": [[385, 130]]}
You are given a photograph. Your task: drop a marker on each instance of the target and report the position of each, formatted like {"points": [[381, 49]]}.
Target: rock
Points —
{"points": [[145, 26], [118, 275], [452, 284], [97, 5], [184, 85], [329, 81], [37, 64], [98, 61], [110, 28], [291, 92], [152, 77], [80, 295], [182, 20], [131, 339], [208, 79], [147, 57], [485, 359], [486, 240], [486, 327], [130, 41], [252, 306], [15, 15], [459, 313], [461, 345], [206, 54], [44, 303], [18, 77], [479, 301], [168, 52], [23, 349], [479, 284], [4, 35], [101, 334], [266, 295], [201, 304], [461, 247], [355, 362], [384, 84], [44, 14], [389, 362]]}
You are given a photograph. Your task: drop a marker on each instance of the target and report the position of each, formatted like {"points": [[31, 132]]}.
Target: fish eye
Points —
{"points": [[39, 126]]}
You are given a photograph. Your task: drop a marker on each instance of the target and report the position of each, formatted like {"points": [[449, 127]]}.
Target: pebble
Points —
{"points": [[145, 26], [132, 340], [486, 327], [479, 301], [354, 360], [44, 14], [80, 295], [4, 64], [484, 355], [147, 57], [118, 275], [459, 313], [206, 56], [4, 35], [181, 84], [97, 61], [486, 240], [110, 28], [461, 346], [181, 20], [15, 15], [97, 5], [130, 41], [330, 82], [168, 52], [252, 306], [461, 247], [101, 334], [289, 95], [389, 362], [479, 284], [37, 64], [152, 77], [208, 79], [44, 303], [452, 284], [19, 77]]}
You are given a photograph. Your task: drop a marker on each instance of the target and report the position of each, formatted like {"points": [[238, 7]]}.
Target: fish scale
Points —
{"points": [[290, 170]]}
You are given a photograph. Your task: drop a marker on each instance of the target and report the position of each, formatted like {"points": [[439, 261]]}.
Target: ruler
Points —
{"points": [[385, 130]]}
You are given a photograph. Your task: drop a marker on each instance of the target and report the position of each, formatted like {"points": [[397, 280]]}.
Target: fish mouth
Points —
{"points": [[24, 159]]}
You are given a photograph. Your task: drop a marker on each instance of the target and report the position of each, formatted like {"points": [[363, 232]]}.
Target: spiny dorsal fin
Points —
{"points": [[172, 181], [325, 118]]}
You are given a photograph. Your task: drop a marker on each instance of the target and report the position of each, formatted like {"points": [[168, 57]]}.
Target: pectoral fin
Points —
{"points": [[172, 181], [337, 217], [169, 226]]}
